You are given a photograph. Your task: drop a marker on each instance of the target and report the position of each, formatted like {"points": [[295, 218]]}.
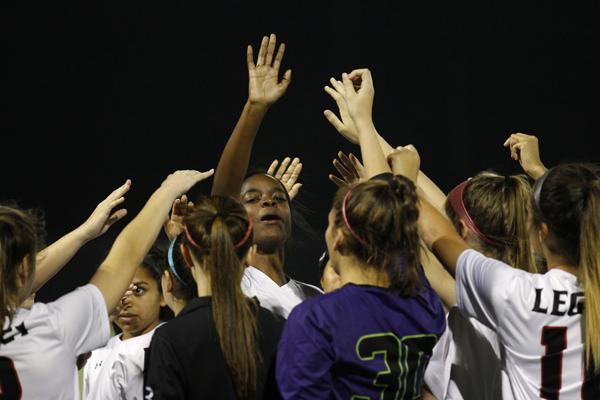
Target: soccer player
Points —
{"points": [[39, 346], [116, 371], [549, 339], [371, 338], [265, 198], [221, 345]]}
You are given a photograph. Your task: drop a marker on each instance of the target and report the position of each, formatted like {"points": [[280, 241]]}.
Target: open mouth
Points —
{"points": [[271, 218]]}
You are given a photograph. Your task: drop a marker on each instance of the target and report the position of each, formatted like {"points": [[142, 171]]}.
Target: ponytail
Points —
{"points": [[379, 218], [20, 236], [589, 266], [496, 209], [234, 319], [219, 234]]}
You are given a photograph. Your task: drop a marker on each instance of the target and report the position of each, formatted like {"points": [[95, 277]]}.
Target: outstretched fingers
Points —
{"points": [[270, 49], [262, 52], [279, 57]]}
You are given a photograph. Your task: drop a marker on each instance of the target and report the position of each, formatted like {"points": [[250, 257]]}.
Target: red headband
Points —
{"points": [[455, 197], [347, 222], [237, 245]]}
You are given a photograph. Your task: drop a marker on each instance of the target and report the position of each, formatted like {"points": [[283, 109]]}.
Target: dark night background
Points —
{"points": [[93, 94]]}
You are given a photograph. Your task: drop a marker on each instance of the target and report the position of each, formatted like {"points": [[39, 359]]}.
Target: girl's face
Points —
{"points": [[266, 203], [139, 312]]}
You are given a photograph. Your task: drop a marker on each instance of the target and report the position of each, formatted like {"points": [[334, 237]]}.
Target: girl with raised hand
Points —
{"points": [[232, 354], [491, 212], [265, 198], [115, 371], [371, 338], [549, 339], [54, 334]]}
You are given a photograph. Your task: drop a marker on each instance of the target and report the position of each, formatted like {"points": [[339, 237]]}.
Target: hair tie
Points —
{"points": [[237, 245], [537, 192], [345, 216], [171, 261], [189, 237], [455, 197], [246, 235]]}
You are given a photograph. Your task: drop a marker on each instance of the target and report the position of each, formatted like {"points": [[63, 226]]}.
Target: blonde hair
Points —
{"points": [[499, 207]]}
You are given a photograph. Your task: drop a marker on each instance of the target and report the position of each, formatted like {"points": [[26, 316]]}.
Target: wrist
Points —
{"points": [[537, 171], [256, 108], [82, 234]]}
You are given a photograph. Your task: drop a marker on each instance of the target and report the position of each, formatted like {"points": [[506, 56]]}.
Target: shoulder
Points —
{"points": [[306, 290], [327, 304]]}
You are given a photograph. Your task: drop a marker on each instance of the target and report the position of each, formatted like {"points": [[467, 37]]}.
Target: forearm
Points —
{"points": [[54, 257], [434, 194], [234, 161], [131, 246], [372, 155], [441, 281], [439, 235]]}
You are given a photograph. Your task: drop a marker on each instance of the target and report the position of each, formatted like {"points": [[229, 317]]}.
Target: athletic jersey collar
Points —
{"points": [[196, 303], [562, 274]]}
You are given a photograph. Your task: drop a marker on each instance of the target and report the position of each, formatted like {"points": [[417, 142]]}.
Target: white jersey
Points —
{"points": [[278, 299], [455, 369], [538, 321], [116, 371], [38, 351]]}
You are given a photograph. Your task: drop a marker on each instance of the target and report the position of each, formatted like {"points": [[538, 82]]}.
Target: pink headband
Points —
{"points": [[347, 222], [455, 197], [237, 245]]}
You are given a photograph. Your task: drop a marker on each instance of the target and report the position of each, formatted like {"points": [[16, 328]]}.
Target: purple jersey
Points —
{"points": [[359, 342]]}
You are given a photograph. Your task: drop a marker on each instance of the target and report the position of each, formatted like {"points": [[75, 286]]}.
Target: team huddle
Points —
{"points": [[489, 292]]}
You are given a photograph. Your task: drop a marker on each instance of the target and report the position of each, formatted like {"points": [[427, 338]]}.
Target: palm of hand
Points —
{"points": [[263, 86]]}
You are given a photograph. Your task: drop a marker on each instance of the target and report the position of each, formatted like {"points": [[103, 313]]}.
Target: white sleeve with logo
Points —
{"points": [[82, 319]]}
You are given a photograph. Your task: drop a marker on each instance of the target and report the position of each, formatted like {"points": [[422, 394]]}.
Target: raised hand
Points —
{"points": [[350, 169], [405, 160], [264, 87], [103, 216], [182, 181], [358, 91], [174, 224], [526, 150], [344, 125], [288, 173]]}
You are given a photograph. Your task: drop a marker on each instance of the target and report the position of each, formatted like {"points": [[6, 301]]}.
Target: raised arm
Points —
{"points": [[526, 150], [264, 89], [436, 231], [133, 243], [357, 91], [54, 257], [346, 127]]}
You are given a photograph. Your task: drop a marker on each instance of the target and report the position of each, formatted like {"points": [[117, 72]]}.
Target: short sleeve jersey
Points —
{"points": [[538, 320], [359, 342], [116, 371], [277, 299], [38, 351]]}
